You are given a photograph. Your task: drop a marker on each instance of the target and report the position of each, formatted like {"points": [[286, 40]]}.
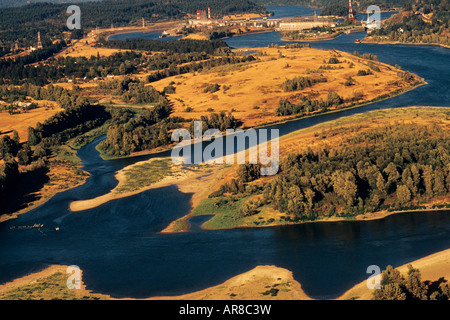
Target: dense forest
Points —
{"points": [[336, 7], [174, 46], [147, 131], [18, 3], [21, 24], [390, 167], [78, 117], [421, 22], [172, 54]]}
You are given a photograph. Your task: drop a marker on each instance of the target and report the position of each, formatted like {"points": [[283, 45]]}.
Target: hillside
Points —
{"points": [[421, 22], [21, 24]]}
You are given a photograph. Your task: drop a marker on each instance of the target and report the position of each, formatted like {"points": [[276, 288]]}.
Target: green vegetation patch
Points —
{"points": [[226, 211], [143, 175], [52, 287]]}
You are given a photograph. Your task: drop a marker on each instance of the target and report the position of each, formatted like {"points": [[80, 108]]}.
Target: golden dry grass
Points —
{"points": [[260, 283], [335, 132], [83, 49], [196, 36], [20, 122], [254, 89]]}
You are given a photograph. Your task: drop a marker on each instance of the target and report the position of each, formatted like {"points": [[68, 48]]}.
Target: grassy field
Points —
{"points": [[141, 176], [48, 284], [21, 121], [252, 90]]}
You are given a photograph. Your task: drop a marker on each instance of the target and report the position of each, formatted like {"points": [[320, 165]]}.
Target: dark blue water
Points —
{"points": [[142, 35], [294, 11], [291, 11], [121, 252], [430, 62]]}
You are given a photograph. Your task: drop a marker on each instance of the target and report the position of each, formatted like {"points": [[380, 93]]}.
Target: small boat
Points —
{"points": [[357, 41], [57, 229]]}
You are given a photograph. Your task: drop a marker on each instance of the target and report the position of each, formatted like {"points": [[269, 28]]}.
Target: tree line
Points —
{"points": [[173, 46], [413, 29], [395, 286], [387, 168], [198, 66], [23, 23], [20, 69], [306, 106], [148, 130], [300, 82]]}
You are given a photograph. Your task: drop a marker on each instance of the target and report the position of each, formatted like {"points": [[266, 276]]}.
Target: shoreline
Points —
{"points": [[154, 27], [405, 43], [44, 199], [249, 285], [331, 37], [378, 215], [404, 90], [186, 180]]}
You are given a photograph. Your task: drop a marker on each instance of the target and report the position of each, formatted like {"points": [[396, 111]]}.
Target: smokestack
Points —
{"points": [[93, 37], [39, 44], [350, 10], [198, 19]]}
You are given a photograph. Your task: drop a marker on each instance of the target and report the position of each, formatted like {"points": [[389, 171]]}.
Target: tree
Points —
{"points": [[7, 147], [428, 180], [417, 289], [24, 155], [249, 172], [334, 99], [33, 139], [392, 286], [403, 194], [344, 185]]}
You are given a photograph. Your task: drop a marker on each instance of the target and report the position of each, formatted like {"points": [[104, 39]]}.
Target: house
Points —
{"points": [[24, 106]]}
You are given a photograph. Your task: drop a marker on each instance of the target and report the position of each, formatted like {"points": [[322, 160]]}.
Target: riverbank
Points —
{"points": [[39, 186], [153, 27], [367, 40], [195, 180], [324, 38], [255, 103], [432, 268], [226, 208], [261, 283]]}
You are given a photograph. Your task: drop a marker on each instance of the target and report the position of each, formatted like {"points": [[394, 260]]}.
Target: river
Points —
{"points": [[121, 252]]}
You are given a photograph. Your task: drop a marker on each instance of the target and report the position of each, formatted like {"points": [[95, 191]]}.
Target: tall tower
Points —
{"points": [[350, 11], [39, 43], [198, 19], [93, 37]]}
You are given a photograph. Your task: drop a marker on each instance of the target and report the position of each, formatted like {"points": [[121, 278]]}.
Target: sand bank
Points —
{"points": [[260, 283]]}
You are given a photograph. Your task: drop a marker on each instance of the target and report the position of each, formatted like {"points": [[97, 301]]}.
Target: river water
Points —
{"points": [[121, 252]]}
